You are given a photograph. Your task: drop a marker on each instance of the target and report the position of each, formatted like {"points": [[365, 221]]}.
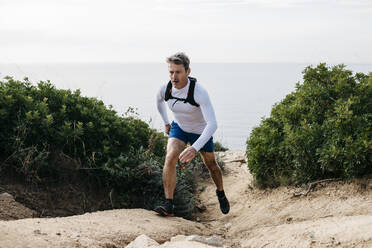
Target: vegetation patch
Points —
{"points": [[58, 146], [321, 130]]}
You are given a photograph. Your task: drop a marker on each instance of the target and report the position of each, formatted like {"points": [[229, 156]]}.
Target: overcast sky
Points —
{"points": [[332, 31]]}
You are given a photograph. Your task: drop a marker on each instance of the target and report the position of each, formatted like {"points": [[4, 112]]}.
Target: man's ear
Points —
{"points": [[188, 71]]}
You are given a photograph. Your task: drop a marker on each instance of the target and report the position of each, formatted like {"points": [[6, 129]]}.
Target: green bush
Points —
{"points": [[44, 130], [321, 130], [65, 121], [218, 147]]}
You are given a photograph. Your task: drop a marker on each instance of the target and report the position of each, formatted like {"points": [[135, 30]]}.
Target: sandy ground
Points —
{"points": [[114, 228], [333, 214]]}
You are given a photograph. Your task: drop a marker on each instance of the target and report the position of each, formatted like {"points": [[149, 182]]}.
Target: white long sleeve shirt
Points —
{"points": [[199, 120]]}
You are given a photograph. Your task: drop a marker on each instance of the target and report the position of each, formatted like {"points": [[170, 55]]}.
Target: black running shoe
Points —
{"points": [[165, 210], [224, 203]]}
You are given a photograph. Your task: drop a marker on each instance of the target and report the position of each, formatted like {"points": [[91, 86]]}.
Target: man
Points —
{"points": [[194, 123]]}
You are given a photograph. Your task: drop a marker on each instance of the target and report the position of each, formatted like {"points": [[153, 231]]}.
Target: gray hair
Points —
{"points": [[179, 58]]}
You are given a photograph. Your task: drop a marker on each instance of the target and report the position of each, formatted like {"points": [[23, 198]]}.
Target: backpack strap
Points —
{"points": [[168, 91], [190, 94]]}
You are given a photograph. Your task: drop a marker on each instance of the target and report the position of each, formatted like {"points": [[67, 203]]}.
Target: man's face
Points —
{"points": [[178, 75]]}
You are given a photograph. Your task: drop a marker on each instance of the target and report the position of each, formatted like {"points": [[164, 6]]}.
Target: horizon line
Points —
{"points": [[197, 62]]}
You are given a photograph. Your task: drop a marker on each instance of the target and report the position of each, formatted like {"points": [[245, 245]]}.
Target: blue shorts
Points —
{"points": [[177, 132]]}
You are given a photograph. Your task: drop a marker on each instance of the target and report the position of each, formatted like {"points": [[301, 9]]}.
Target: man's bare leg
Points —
{"points": [[174, 149], [216, 174], [214, 170]]}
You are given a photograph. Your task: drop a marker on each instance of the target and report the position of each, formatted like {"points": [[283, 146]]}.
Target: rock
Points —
{"points": [[38, 232], [195, 241], [142, 241], [7, 195], [228, 225], [196, 238], [202, 189], [74, 235], [200, 207], [212, 241], [183, 244]]}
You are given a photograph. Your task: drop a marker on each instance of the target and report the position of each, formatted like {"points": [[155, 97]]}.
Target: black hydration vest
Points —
{"points": [[190, 94]]}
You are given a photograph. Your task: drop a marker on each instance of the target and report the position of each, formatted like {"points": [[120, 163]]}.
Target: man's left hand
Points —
{"points": [[188, 154]]}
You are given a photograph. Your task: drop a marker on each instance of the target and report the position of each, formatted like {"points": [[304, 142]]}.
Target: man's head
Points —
{"points": [[179, 70]]}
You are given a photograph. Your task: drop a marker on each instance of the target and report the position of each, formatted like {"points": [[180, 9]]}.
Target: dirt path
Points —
{"points": [[332, 215], [114, 228]]}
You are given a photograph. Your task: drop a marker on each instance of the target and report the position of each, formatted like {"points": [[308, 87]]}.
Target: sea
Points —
{"points": [[242, 94]]}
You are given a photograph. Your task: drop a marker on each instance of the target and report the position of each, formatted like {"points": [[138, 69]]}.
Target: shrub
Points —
{"points": [[44, 130], [218, 147], [321, 130]]}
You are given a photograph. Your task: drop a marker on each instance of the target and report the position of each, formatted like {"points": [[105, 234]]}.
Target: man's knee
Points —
{"points": [[213, 166], [174, 149], [171, 157], [209, 158]]}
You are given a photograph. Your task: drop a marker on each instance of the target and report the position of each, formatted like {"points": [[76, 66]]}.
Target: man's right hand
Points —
{"points": [[167, 128]]}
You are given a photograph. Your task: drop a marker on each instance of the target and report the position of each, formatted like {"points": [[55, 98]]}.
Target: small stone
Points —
{"points": [[201, 207], [7, 195], [228, 225], [38, 232], [202, 189], [214, 241], [59, 234], [198, 219], [142, 241], [311, 234], [75, 235], [196, 238]]}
